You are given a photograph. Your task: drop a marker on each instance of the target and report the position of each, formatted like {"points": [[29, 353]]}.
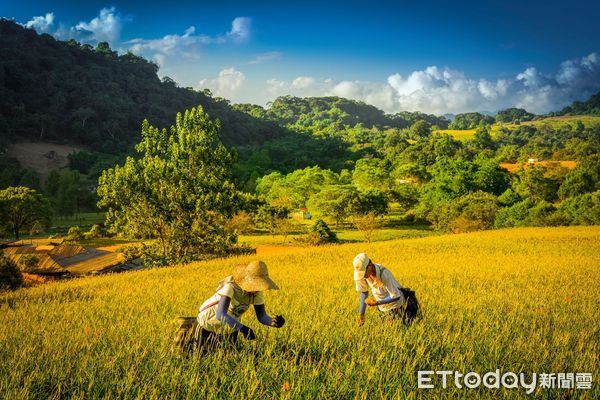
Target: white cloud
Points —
{"points": [[188, 44], [41, 24], [265, 57], [240, 29], [226, 84], [443, 90], [303, 82], [105, 27]]}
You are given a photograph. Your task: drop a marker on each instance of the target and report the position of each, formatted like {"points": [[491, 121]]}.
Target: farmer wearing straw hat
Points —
{"points": [[219, 317], [387, 292]]}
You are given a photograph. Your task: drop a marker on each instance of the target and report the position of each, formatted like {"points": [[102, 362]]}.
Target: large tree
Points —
{"points": [[22, 208], [178, 191]]}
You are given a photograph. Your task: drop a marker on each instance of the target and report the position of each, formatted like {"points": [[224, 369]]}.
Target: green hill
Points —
{"points": [[65, 92]]}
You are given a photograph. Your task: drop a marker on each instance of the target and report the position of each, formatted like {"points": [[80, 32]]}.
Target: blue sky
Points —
{"points": [[434, 57]]}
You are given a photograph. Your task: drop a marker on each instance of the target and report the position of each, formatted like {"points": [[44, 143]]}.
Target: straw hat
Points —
{"points": [[253, 277]]}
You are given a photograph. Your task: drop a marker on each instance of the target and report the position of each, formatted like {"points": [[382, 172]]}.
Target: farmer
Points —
{"points": [[219, 317], [387, 292]]}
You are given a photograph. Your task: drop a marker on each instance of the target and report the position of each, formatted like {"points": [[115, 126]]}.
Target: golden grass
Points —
{"points": [[517, 300]]}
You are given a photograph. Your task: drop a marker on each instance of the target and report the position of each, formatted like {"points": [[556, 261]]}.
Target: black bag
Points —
{"points": [[411, 310]]}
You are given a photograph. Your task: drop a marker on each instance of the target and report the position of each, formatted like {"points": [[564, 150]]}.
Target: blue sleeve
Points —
{"points": [[362, 307], [222, 315], [261, 315], [388, 300]]}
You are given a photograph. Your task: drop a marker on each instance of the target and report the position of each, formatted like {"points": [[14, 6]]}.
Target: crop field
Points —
{"points": [[520, 300], [554, 122]]}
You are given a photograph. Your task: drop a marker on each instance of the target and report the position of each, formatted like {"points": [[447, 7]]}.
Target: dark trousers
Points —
{"points": [[206, 340]]}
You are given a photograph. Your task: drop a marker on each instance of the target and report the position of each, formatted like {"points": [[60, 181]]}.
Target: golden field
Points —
{"points": [[520, 300]]}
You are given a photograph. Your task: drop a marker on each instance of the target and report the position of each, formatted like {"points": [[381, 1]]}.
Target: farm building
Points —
{"points": [[54, 257], [302, 214]]}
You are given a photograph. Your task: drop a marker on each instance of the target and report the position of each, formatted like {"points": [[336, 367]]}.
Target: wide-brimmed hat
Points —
{"points": [[253, 277], [360, 263]]}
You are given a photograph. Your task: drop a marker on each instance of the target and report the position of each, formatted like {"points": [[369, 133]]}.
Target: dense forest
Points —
{"points": [[334, 155]]}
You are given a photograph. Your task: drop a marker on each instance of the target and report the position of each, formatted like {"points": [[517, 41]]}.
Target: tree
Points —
{"points": [[576, 182], [10, 274], [367, 224], [534, 184], [178, 191], [334, 202], [21, 208], [320, 233]]}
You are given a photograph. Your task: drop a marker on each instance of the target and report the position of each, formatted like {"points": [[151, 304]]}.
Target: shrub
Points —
{"points": [[242, 223], [74, 234], [95, 232], [28, 262], [471, 212], [367, 224], [321, 234], [10, 274], [515, 215], [583, 209]]}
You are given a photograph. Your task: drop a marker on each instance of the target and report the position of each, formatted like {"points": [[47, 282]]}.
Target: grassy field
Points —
{"points": [[554, 122], [521, 300]]}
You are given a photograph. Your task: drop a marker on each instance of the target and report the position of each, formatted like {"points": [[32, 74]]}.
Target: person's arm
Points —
{"points": [[387, 300], [261, 315], [362, 306], [224, 317]]}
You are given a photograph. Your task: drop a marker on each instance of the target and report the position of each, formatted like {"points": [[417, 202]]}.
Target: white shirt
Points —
{"points": [[382, 286], [240, 302]]}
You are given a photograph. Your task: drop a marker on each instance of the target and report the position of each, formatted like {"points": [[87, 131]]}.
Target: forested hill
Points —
{"points": [[588, 107], [337, 112], [65, 92]]}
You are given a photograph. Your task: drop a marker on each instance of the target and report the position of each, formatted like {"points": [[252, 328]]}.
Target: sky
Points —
{"points": [[435, 57]]}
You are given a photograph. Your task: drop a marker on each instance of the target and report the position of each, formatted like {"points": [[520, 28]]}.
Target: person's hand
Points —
{"points": [[248, 333], [371, 302], [360, 321], [278, 321]]}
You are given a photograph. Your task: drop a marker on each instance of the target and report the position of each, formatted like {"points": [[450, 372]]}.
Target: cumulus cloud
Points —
{"points": [[266, 57], [42, 24], [444, 90], [105, 27], [188, 44], [240, 29], [226, 84]]}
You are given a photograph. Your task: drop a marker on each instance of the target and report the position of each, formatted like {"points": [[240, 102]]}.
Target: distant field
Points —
{"points": [[555, 122], [79, 219], [587, 120], [520, 300], [514, 167], [459, 134]]}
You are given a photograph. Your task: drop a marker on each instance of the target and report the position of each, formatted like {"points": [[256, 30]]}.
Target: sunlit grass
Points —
{"points": [[518, 300]]}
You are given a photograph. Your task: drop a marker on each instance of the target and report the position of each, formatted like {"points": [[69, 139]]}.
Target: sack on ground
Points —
{"points": [[185, 336]]}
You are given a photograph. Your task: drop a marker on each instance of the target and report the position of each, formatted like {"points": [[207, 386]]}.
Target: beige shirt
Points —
{"points": [[382, 286], [240, 302]]}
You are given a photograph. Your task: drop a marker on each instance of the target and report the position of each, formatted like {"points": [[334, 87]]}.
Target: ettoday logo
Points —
{"points": [[508, 380]]}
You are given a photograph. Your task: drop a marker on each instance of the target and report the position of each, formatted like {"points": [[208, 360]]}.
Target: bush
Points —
{"points": [[131, 252], [471, 212], [367, 224], [95, 232], [321, 234], [515, 215], [582, 210], [242, 223], [10, 274], [28, 262], [75, 234]]}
